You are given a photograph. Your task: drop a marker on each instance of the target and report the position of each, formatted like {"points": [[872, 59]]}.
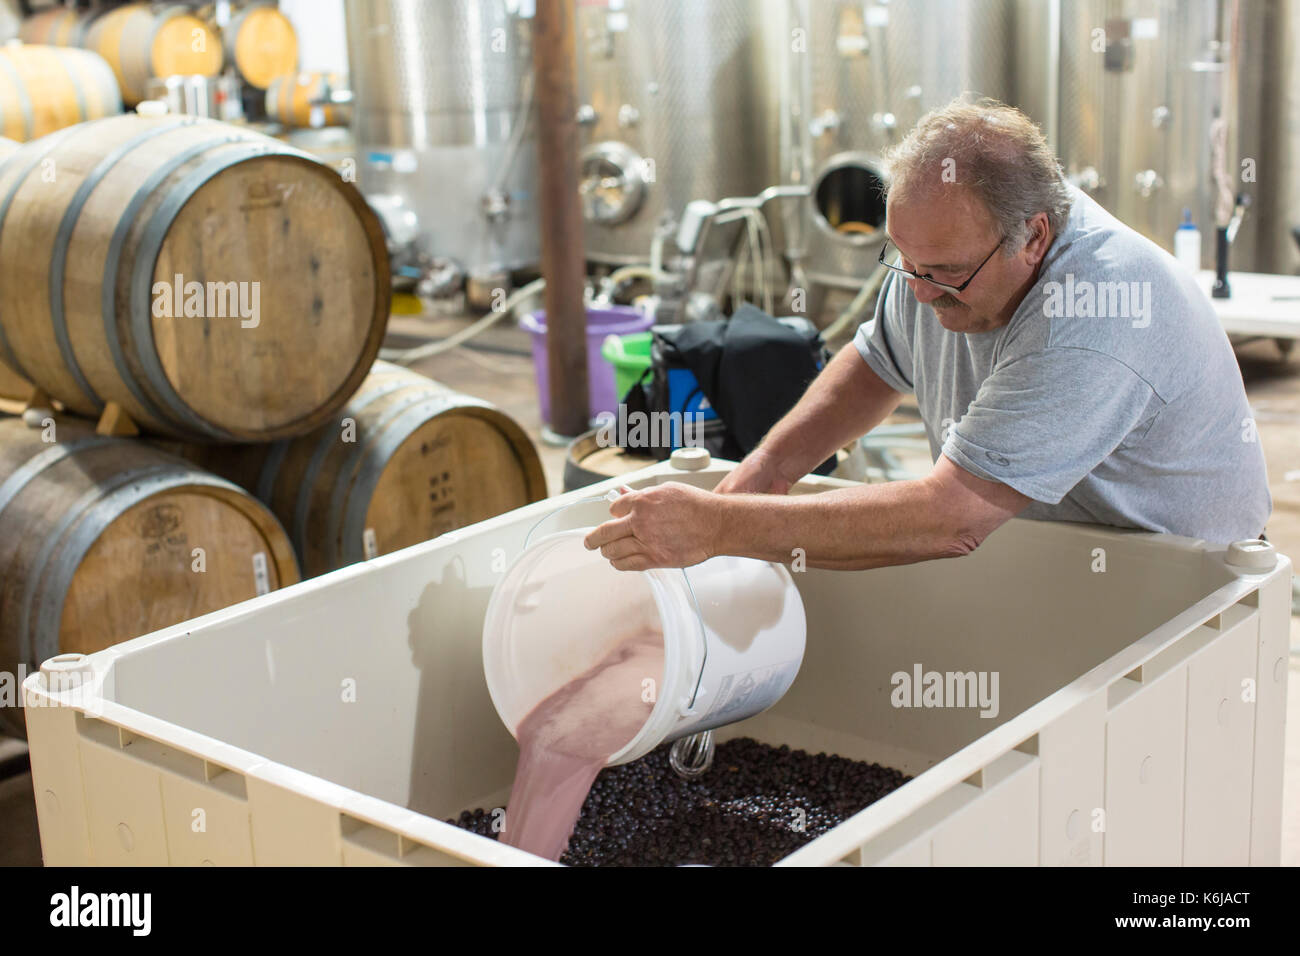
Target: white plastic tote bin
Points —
{"points": [[1141, 687]]}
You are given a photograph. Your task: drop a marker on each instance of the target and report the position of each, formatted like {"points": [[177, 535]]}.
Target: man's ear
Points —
{"points": [[1040, 238]]}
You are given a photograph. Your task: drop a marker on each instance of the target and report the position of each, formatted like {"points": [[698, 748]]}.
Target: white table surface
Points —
{"points": [[1261, 304]]}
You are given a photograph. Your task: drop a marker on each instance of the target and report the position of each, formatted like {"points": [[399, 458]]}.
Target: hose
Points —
{"points": [[522, 118], [408, 356], [870, 289], [619, 276]]}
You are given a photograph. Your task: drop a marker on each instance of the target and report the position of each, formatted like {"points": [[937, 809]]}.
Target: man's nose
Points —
{"points": [[924, 292]]}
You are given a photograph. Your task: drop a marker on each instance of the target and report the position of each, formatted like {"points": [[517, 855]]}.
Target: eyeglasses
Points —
{"points": [[927, 277]]}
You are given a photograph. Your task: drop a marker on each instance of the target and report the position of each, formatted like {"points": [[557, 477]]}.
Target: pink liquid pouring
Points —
{"points": [[567, 738]]}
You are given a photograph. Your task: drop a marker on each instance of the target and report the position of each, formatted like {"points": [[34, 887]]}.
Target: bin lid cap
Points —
{"points": [[1251, 554]]}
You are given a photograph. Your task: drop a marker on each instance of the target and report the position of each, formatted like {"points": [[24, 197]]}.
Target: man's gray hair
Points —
{"points": [[996, 152]]}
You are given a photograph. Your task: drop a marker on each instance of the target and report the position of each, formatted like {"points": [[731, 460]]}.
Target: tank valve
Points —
{"points": [[692, 756], [824, 122], [496, 205]]}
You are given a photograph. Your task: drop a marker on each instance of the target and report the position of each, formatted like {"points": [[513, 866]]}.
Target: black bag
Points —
{"points": [[752, 369]]}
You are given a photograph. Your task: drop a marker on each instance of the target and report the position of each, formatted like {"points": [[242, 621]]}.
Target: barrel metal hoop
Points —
{"points": [[80, 30], [109, 93], [24, 101], [66, 63], [49, 143], [156, 24], [341, 493], [303, 504], [271, 467], [112, 262], [371, 468], [51, 456], [270, 470], [151, 242], [59, 260], [138, 486], [40, 647]]}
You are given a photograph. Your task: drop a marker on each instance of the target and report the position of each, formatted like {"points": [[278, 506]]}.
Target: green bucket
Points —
{"points": [[630, 356]]}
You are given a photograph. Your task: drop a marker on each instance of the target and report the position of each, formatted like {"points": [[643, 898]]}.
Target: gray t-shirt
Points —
{"points": [[1112, 396]]}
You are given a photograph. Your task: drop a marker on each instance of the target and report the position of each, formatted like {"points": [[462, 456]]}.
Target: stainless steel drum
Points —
{"points": [[214, 97], [1269, 94], [857, 77], [1148, 109], [673, 107], [442, 93]]}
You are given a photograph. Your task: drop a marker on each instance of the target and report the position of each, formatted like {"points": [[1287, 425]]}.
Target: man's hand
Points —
{"points": [[757, 474], [667, 526]]}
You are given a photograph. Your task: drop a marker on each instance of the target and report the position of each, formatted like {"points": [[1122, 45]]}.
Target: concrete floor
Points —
{"points": [[504, 376]]}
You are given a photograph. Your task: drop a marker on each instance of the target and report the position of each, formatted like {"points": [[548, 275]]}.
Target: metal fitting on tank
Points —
{"points": [[496, 205]]}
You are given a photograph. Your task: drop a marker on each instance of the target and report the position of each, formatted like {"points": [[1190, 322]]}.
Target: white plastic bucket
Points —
{"points": [[560, 608]]}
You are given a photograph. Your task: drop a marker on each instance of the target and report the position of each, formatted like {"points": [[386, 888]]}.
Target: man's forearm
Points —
{"points": [[844, 402], [872, 526]]}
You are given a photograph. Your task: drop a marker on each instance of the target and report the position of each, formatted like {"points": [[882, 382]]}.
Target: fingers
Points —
{"points": [[622, 506], [636, 562], [623, 551], [622, 548], [608, 532], [741, 482]]}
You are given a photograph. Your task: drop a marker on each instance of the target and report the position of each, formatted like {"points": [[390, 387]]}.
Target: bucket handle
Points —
{"points": [[613, 495]]}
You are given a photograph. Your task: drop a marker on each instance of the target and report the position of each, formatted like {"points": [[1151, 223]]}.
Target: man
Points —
{"points": [[1066, 369]]}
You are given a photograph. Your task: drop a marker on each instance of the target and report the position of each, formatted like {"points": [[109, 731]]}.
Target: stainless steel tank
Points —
{"points": [[1271, 86], [1147, 109], [673, 107], [442, 96], [859, 76]]}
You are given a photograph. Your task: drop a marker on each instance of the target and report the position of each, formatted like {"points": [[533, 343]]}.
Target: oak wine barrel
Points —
{"points": [[45, 88], [57, 26], [261, 43], [588, 461], [140, 41], [417, 460], [105, 539], [215, 283], [302, 100]]}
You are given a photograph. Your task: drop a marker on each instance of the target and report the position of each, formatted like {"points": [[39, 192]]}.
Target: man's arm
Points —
{"points": [[948, 513], [843, 403]]}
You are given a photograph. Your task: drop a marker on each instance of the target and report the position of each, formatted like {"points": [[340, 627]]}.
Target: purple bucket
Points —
{"points": [[609, 320]]}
